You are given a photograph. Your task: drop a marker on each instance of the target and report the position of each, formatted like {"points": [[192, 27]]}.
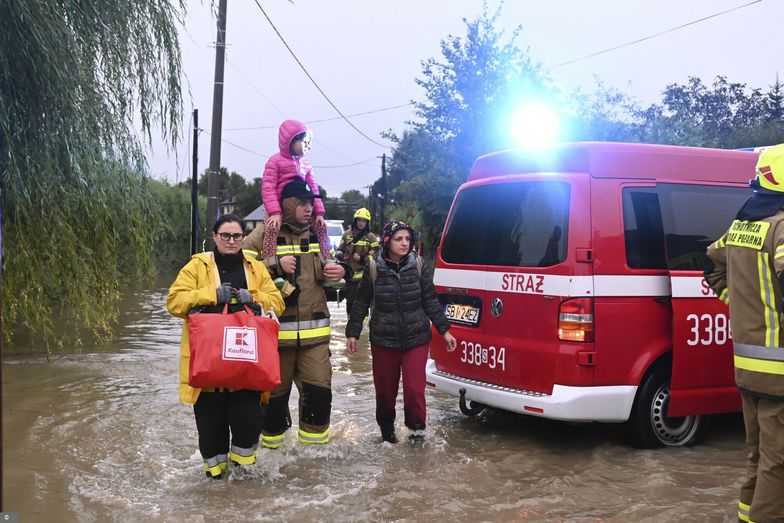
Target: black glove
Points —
{"points": [[225, 293], [244, 296]]}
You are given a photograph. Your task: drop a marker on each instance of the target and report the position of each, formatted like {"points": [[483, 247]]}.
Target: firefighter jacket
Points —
{"points": [[357, 242], [748, 271], [404, 304], [305, 322], [196, 286]]}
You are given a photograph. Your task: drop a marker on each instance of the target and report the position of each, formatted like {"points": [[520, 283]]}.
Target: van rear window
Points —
{"points": [[512, 224]]}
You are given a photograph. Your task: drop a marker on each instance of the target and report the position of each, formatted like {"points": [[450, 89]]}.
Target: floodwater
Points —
{"points": [[98, 435]]}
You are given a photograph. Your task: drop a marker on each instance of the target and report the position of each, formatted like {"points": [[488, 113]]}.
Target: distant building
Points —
{"points": [[228, 205], [255, 218]]}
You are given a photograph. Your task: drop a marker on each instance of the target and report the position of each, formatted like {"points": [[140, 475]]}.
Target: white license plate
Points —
{"points": [[462, 313]]}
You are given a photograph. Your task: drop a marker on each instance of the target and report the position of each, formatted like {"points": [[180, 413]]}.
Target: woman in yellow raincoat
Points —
{"points": [[212, 279]]}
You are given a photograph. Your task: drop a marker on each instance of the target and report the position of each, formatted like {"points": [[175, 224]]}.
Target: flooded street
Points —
{"points": [[99, 435]]}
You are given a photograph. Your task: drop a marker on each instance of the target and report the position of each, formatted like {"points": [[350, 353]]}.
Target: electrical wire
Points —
{"points": [[237, 146], [320, 90], [382, 109], [255, 89], [651, 36]]}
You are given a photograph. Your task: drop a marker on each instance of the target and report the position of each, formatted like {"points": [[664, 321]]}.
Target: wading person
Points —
{"points": [[303, 341], [211, 280], [404, 303], [748, 275], [357, 246]]}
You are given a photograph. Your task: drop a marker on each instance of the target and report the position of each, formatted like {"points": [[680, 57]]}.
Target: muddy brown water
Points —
{"points": [[98, 435]]}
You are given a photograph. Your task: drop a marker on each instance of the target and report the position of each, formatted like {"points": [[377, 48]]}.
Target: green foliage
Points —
{"points": [[79, 220], [173, 247]]}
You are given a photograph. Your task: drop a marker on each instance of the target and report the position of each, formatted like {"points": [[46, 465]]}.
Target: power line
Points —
{"points": [[382, 109], [347, 165], [651, 36], [254, 88], [238, 146], [314, 81]]}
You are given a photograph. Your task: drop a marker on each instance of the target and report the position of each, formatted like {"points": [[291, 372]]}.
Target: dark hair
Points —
{"points": [[228, 218]]}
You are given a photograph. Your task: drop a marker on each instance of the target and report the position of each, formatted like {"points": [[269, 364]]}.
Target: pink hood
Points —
{"points": [[286, 133]]}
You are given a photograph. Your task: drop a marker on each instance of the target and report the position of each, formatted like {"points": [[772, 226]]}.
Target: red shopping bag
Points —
{"points": [[236, 351]]}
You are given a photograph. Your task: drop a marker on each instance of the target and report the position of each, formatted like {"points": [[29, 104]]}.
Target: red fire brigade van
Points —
{"points": [[573, 280]]}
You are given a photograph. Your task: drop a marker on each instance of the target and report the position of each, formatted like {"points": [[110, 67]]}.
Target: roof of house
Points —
{"points": [[256, 214]]}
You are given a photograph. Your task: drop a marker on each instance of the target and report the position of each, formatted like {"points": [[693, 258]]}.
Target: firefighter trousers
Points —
{"points": [[311, 371], [387, 367], [221, 412], [762, 495]]}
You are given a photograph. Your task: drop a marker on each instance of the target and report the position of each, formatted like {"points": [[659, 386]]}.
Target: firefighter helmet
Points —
{"points": [[365, 214], [770, 169]]}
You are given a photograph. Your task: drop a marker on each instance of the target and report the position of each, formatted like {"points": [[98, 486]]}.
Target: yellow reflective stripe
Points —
{"points": [[779, 252], [743, 511], [756, 365], [216, 465], [304, 324], [284, 250], [767, 296], [312, 438], [250, 252], [724, 296], [240, 457], [271, 442], [722, 241], [304, 333]]}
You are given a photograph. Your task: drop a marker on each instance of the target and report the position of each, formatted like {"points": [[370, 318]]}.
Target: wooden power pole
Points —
{"points": [[217, 123]]}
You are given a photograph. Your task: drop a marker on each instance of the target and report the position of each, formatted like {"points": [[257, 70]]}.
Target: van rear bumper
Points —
{"points": [[610, 404]]}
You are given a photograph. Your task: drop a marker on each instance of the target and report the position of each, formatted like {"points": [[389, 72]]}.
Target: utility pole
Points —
{"points": [[382, 196], [195, 186], [217, 123]]}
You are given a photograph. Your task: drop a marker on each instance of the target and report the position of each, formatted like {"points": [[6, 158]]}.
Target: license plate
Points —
{"points": [[462, 313]]}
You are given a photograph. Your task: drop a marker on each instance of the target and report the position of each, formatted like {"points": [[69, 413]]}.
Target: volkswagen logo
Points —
{"points": [[497, 307]]}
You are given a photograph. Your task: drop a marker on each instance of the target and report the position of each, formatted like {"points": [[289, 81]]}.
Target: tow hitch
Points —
{"points": [[473, 410]]}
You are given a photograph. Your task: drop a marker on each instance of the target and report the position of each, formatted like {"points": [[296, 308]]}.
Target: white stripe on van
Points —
{"points": [[556, 285], [691, 287]]}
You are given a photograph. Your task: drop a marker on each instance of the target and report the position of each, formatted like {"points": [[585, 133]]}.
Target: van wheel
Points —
{"points": [[648, 424]]}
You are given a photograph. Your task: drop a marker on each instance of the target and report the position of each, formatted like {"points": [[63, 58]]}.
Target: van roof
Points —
{"points": [[622, 160]]}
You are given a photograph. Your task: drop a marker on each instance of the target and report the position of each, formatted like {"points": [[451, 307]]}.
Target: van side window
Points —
{"points": [[694, 216], [521, 224], [642, 228]]}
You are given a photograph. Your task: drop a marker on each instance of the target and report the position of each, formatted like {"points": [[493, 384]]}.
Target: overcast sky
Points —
{"points": [[365, 55]]}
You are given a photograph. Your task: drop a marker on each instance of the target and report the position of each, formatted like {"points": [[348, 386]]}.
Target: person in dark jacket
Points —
{"points": [[404, 303]]}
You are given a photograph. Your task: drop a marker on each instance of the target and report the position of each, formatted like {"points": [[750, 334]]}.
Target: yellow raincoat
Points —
{"points": [[196, 286]]}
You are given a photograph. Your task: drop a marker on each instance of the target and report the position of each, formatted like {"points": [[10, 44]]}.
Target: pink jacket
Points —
{"points": [[282, 168]]}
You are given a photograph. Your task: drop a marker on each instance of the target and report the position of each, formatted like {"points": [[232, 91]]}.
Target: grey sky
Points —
{"points": [[366, 54]]}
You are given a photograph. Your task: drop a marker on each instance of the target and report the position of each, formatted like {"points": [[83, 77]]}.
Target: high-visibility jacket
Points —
{"points": [[353, 243], [749, 269], [196, 286], [305, 322]]}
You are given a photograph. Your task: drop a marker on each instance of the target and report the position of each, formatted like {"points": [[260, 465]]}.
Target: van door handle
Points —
{"points": [[665, 299]]}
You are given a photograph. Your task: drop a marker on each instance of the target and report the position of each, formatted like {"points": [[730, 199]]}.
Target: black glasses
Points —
{"points": [[226, 236]]}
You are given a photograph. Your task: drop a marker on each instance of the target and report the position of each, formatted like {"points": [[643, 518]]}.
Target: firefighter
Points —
{"points": [[357, 246], [304, 335], [748, 275]]}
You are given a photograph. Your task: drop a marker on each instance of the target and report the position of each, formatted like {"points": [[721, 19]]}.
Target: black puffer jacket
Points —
{"points": [[405, 304]]}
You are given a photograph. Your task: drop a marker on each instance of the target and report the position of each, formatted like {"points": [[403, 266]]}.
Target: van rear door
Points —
{"points": [[505, 251], [693, 217]]}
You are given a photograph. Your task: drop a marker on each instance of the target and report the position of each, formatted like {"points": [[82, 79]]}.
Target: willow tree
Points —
{"points": [[80, 80]]}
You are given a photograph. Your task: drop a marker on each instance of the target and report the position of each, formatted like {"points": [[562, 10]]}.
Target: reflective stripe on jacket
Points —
{"points": [[749, 265], [305, 322], [363, 246]]}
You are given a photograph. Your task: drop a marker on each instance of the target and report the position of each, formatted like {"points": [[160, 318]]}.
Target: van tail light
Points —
{"points": [[575, 320]]}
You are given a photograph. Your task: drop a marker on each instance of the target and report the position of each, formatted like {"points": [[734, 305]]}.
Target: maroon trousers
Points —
{"points": [[387, 366]]}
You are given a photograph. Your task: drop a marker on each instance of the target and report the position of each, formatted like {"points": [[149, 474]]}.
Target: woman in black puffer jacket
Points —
{"points": [[404, 303]]}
